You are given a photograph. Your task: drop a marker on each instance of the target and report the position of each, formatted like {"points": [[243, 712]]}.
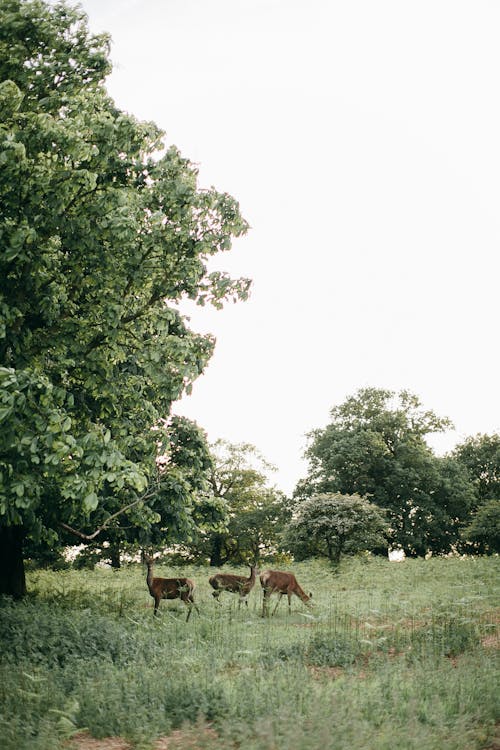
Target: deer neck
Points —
{"points": [[149, 577], [305, 598]]}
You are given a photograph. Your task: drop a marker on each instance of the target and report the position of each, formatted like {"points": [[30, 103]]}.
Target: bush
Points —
{"points": [[39, 637], [443, 636], [333, 650]]}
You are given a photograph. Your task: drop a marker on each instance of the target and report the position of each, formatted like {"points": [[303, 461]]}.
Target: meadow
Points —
{"points": [[391, 655]]}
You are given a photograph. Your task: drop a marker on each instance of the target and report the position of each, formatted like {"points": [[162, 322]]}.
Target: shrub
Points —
{"points": [[331, 650]]}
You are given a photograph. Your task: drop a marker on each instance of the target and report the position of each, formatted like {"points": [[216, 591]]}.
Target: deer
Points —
{"points": [[276, 581], [234, 584], [170, 588]]}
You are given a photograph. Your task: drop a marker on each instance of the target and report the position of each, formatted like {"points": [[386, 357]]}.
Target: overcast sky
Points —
{"points": [[362, 140]]}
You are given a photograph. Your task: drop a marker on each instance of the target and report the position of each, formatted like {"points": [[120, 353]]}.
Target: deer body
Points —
{"points": [[278, 582], [234, 584], [170, 588]]}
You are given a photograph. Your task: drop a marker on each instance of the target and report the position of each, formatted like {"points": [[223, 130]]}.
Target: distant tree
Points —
{"points": [[333, 525], [375, 446], [254, 511], [480, 455], [484, 529], [256, 529], [103, 231], [449, 501]]}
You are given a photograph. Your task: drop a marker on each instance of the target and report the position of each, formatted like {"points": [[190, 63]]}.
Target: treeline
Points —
{"points": [[373, 483], [375, 447]]}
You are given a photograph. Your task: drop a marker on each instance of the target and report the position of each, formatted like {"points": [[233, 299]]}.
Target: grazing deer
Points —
{"points": [[275, 581], [169, 588], [234, 584]]}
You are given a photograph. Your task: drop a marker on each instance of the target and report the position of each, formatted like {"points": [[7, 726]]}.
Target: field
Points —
{"points": [[392, 655]]}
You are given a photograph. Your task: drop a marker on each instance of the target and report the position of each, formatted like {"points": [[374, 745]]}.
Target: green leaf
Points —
{"points": [[90, 502]]}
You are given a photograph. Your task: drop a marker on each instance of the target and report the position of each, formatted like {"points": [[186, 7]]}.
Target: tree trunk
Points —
{"points": [[216, 552], [12, 578], [114, 553], [335, 552]]}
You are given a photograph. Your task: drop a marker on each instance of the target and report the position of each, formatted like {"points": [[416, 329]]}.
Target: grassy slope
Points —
{"points": [[392, 654]]}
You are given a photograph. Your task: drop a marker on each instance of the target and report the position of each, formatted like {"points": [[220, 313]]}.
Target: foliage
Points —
{"points": [[480, 455], [375, 446], [103, 231], [444, 635], [324, 649], [181, 504], [333, 525], [332, 650], [254, 512], [484, 529]]}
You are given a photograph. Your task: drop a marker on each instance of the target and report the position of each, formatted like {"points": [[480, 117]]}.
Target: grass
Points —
{"points": [[391, 654]]}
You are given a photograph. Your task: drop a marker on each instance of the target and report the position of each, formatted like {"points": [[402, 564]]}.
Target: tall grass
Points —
{"points": [[390, 655]]}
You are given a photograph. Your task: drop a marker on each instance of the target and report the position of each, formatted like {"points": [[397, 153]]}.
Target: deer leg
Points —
{"points": [[216, 595], [189, 600], [265, 603], [279, 599], [157, 604]]}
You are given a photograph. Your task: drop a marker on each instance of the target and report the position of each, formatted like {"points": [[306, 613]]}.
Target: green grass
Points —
{"points": [[391, 654]]}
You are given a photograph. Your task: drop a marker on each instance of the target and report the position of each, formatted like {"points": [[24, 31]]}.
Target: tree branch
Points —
{"points": [[101, 337], [91, 537]]}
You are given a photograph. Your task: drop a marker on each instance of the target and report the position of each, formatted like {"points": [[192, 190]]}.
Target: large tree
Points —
{"points": [[375, 446], [483, 532], [253, 512], [103, 231], [480, 454]]}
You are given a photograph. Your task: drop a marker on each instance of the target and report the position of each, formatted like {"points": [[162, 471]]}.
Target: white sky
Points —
{"points": [[362, 140]]}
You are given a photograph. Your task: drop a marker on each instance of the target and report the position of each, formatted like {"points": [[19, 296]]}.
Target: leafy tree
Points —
{"points": [[375, 446], [180, 505], [481, 457], [254, 512], [484, 530], [333, 524], [448, 502], [103, 232]]}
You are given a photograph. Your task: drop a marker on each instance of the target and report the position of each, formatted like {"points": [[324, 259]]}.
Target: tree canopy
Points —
{"points": [[375, 446], [103, 231], [254, 512], [331, 525], [480, 454], [483, 532]]}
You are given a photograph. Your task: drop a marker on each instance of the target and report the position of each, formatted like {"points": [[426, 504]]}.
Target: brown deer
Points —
{"points": [[275, 581], [169, 588], [234, 584]]}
